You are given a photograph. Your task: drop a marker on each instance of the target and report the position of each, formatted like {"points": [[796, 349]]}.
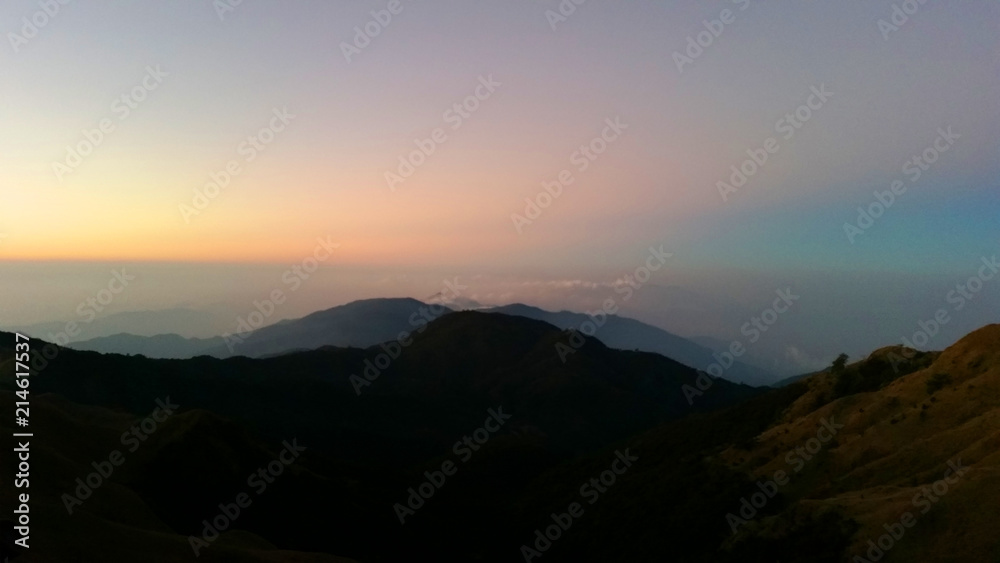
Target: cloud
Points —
{"points": [[803, 360]]}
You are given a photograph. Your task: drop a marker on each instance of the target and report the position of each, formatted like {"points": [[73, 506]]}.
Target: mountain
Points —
{"points": [[790, 380], [752, 357], [145, 509], [894, 458], [782, 360], [366, 443], [629, 334], [140, 323], [909, 419], [810, 472], [458, 363], [359, 323], [165, 346], [356, 324], [371, 321]]}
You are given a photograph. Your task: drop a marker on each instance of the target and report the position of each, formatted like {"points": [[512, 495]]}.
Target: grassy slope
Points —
{"points": [[897, 439]]}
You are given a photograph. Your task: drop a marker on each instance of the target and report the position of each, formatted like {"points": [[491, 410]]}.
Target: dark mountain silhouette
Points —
{"points": [[627, 334], [163, 346], [901, 416], [437, 389], [462, 363], [371, 321], [359, 323]]}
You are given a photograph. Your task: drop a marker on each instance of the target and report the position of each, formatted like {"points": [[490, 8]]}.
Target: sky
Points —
{"points": [[302, 117]]}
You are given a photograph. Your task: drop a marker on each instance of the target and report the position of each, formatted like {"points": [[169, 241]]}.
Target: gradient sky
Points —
{"points": [[324, 174]]}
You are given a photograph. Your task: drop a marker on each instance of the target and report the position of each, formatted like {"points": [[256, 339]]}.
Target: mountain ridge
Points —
{"points": [[899, 424], [369, 322]]}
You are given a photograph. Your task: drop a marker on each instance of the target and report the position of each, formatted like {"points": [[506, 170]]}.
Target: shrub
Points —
{"points": [[937, 382]]}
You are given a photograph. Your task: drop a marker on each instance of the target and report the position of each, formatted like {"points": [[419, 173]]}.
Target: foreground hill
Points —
{"points": [[898, 440], [909, 419], [459, 366], [859, 447], [190, 463], [367, 443]]}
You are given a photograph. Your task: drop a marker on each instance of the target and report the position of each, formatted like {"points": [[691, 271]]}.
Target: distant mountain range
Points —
{"points": [[855, 450], [140, 323], [629, 334], [373, 321], [357, 324], [367, 442]]}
